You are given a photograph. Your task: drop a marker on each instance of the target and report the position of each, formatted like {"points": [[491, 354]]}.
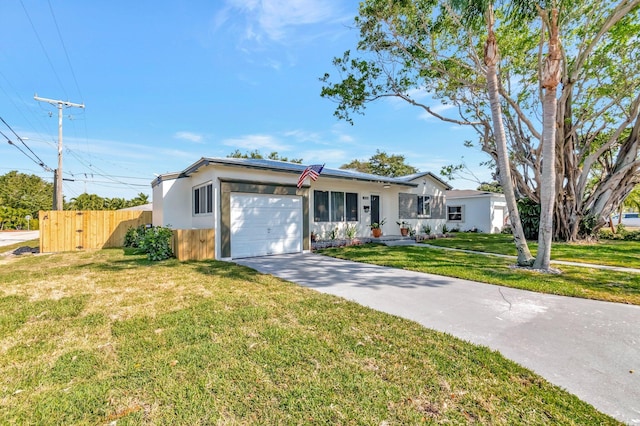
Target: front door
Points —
{"points": [[375, 209]]}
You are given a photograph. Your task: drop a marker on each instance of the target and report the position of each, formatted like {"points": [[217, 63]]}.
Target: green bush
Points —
{"points": [[157, 243], [134, 236], [530, 217], [620, 234]]}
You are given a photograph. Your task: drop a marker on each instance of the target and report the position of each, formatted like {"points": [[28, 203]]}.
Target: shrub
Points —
{"points": [[445, 229], [529, 217], [134, 236], [426, 229], [350, 231], [333, 234], [157, 243]]}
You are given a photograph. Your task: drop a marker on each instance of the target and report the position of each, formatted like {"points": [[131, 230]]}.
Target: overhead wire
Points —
{"points": [[95, 170], [20, 110], [39, 161], [73, 74], [64, 47], [44, 50]]}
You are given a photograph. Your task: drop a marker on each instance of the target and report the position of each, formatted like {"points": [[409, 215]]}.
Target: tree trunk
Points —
{"points": [[550, 79], [491, 59]]}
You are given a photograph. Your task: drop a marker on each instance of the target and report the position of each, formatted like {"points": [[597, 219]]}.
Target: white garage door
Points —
{"points": [[265, 224]]}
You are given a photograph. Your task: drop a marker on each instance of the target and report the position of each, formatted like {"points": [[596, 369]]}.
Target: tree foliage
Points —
{"points": [[382, 164], [86, 201], [25, 192], [411, 48], [491, 187], [255, 154]]}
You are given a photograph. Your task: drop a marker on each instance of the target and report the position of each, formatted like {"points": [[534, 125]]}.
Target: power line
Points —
{"points": [[20, 109], [44, 49], [39, 162], [73, 74]]}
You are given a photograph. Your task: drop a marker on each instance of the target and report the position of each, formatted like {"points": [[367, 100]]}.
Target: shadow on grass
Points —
{"points": [[134, 258]]}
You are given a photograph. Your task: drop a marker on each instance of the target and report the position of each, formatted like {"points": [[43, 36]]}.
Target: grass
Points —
{"points": [[104, 336], [607, 252], [31, 243], [574, 281]]}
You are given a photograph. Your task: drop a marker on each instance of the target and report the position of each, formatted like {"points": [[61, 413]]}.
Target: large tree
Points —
{"points": [[25, 192], [382, 164], [409, 47]]}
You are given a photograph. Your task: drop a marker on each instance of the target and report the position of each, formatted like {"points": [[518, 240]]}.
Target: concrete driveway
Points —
{"points": [[590, 348], [13, 237]]}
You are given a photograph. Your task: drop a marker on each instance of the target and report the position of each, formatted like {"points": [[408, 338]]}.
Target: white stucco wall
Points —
{"points": [[485, 213], [429, 186], [172, 204]]}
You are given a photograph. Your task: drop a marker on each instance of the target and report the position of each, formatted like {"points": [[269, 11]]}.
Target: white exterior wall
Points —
{"points": [[499, 214], [389, 205], [485, 213], [157, 198], [427, 186], [388, 209], [175, 208]]}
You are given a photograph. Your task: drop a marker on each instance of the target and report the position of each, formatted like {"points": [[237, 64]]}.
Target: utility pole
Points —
{"points": [[57, 193]]}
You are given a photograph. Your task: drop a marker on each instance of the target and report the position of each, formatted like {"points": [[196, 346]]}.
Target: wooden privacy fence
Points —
{"points": [[193, 244], [87, 229]]}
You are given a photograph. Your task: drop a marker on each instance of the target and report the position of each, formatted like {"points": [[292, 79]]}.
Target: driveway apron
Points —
{"points": [[590, 348]]}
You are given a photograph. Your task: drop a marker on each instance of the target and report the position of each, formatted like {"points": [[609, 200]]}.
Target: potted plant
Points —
{"points": [[404, 228], [376, 229]]}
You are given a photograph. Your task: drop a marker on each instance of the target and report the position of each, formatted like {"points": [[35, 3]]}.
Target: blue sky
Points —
{"points": [[165, 83]]}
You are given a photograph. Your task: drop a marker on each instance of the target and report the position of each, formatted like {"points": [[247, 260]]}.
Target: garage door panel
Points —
{"points": [[265, 224]]}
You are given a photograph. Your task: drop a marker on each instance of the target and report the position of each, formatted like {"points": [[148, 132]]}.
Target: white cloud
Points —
{"points": [[189, 136], [328, 156], [274, 19], [303, 135], [259, 142]]}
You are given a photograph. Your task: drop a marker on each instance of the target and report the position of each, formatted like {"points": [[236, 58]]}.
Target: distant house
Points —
{"points": [[257, 209], [142, 207], [469, 209]]}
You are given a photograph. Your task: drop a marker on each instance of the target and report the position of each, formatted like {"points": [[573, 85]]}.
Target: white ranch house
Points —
{"points": [[469, 209], [256, 208]]}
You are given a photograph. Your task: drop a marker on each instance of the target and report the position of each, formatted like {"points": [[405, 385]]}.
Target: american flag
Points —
{"points": [[312, 171]]}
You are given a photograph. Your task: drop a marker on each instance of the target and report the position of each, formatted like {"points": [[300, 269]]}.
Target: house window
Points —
{"points": [[454, 213], [352, 206], [424, 206], [335, 206], [321, 206], [203, 199]]}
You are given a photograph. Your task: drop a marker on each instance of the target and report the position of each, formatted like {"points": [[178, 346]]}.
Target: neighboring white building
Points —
{"points": [[257, 209], [469, 209]]}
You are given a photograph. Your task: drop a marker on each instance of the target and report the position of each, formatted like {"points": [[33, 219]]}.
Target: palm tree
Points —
{"points": [[550, 78], [470, 10]]}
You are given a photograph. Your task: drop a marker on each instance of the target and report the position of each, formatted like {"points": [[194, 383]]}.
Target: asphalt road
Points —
{"points": [[590, 348], [13, 237]]}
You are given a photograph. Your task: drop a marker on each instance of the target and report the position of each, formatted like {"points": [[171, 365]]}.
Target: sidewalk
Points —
{"points": [[555, 262], [8, 238]]}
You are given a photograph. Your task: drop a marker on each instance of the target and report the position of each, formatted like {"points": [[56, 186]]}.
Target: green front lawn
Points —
{"points": [[607, 252], [574, 281], [102, 337]]}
